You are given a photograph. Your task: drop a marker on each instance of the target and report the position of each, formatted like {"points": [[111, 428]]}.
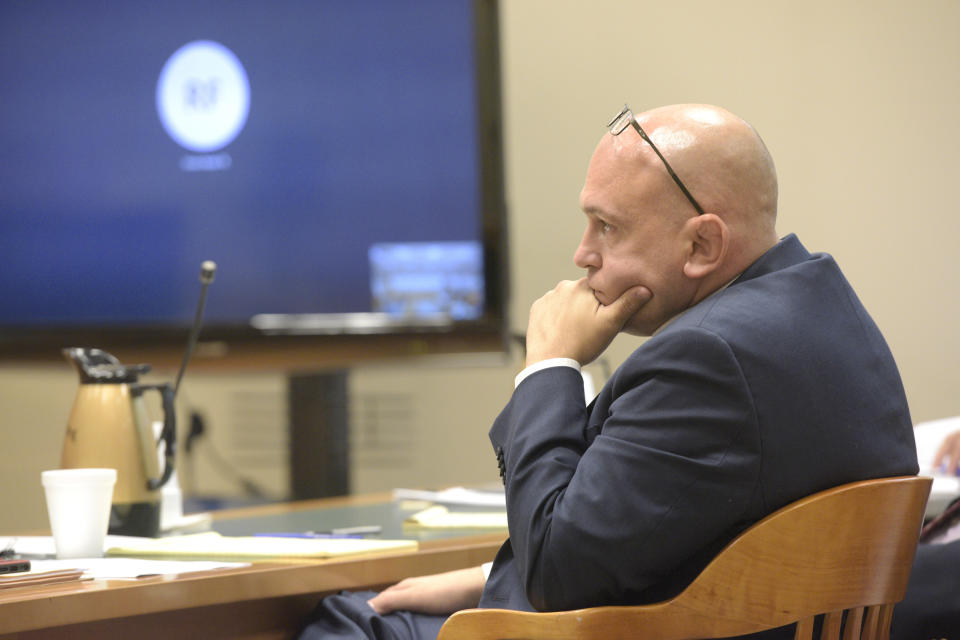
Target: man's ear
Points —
{"points": [[708, 238]]}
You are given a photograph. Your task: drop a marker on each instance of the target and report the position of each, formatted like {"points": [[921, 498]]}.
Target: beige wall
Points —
{"points": [[857, 101]]}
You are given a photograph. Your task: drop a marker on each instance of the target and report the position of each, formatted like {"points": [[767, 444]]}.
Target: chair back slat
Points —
{"points": [[886, 619], [804, 629], [854, 624], [871, 623], [831, 626]]}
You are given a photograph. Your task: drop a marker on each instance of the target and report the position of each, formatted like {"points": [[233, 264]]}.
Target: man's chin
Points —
{"points": [[639, 332], [639, 326]]}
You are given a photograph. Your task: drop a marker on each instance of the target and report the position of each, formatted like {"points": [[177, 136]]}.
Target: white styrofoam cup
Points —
{"points": [[78, 503]]}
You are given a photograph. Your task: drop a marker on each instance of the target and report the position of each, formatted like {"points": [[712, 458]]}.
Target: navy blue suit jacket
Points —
{"points": [[774, 388]]}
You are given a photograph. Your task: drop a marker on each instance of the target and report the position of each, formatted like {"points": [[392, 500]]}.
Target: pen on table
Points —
{"points": [[306, 534], [341, 532], [363, 530]]}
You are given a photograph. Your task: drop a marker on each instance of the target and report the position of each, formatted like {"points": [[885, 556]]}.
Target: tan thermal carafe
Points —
{"points": [[109, 428]]}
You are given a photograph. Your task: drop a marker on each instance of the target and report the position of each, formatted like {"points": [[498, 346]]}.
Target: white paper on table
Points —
{"points": [[439, 517], [455, 496]]}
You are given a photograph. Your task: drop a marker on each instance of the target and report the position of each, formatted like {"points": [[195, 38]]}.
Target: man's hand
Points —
{"points": [[439, 594], [569, 322]]}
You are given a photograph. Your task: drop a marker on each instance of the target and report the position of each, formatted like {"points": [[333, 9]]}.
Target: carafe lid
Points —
{"points": [[98, 366]]}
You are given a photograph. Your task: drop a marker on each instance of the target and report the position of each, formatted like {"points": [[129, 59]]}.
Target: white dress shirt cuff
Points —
{"points": [[545, 364], [485, 567]]}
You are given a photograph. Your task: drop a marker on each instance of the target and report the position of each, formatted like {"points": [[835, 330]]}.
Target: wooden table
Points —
{"points": [[265, 600]]}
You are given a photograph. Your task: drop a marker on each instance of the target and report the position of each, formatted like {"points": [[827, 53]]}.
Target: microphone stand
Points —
{"points": [[207, 271]]}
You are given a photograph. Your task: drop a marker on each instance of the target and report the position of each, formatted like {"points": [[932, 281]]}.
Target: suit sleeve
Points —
{"points": [[672, 469]]}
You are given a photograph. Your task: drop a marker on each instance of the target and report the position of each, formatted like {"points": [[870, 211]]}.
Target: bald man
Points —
{"points": [[764, 380]]}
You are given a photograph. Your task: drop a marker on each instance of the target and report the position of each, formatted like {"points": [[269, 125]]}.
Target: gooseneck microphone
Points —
{"points": [[207, 270]]}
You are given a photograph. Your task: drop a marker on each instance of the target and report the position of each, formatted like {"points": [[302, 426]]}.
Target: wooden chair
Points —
{"points": [[847, 549]]}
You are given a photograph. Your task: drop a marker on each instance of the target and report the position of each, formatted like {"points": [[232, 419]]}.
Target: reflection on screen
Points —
{"points": [[427, 279]]}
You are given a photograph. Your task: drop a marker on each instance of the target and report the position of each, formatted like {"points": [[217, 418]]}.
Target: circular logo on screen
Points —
{"points": [[203, 96]]}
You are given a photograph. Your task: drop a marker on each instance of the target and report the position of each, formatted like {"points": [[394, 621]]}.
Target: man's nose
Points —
{"points": [[586, 257]]}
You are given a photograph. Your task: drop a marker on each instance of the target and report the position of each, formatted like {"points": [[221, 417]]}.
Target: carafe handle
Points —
{"points": [[168, 435]]}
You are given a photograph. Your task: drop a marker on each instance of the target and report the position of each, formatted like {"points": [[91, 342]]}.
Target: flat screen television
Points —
{"points": [[341, 162]]}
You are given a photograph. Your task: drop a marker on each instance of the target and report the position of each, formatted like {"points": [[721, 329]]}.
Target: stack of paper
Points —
{"points": [[212, 545], [35, 578], [132, 568]]}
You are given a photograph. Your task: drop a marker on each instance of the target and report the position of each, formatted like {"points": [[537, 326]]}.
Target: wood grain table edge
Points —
{"points": [[29, 609]]}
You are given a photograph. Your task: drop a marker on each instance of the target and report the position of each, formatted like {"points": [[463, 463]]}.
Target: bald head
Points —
{"points": [[722, 161]]}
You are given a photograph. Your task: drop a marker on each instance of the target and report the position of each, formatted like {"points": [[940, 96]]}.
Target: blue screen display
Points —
{"points": [[283, 140]]}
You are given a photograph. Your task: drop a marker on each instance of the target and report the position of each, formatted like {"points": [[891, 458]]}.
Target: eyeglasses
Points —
{"points": [[626, 118]]}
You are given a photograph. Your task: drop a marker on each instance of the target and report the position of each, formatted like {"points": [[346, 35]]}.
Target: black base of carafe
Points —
{"points": [[135, 519]]}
